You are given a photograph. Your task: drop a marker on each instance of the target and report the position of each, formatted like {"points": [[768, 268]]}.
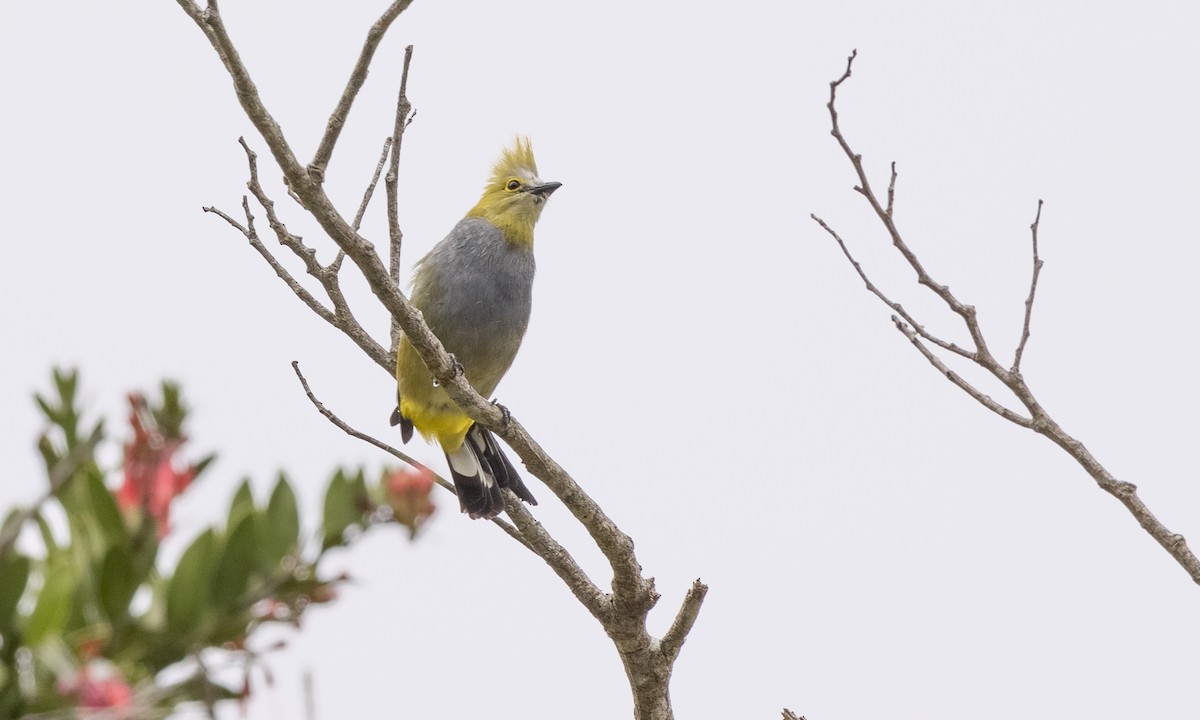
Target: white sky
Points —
{"points": [[701, 357]]}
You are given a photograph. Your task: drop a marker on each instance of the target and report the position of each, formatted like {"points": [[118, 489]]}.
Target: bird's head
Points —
{"points": [[514, 196]]}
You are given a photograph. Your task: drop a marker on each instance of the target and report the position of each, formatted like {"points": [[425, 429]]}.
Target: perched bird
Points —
{"points": [[475, 290]]}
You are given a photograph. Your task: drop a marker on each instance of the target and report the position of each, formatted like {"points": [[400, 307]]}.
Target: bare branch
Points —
{"points": [[633, 595], [1126, 492], [362, 208], [896, 307], [396, 237], [616, 546], [310, 703], [255, 242], [337, 120], [341, 317], [210, 23], [673, 638], [1037, 270], [892, 191], [967, 312], [529, 532], [560, 561], [224, 216], [1038, 420], [398, 454], [958, 380], [345, 427]]}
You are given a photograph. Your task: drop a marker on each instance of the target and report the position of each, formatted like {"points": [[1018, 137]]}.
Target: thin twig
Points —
{"points": [[633, 594], [340, 316], [395, 236], [958, 380], [1037, 270], [310, 703], [362, 208], [616, 546], [337, 119], [209, 700], [967, 312], [531, 534], [346, 428], [398, 454], [251, 235], [1038, 420], [895, 306], [892, 191]]}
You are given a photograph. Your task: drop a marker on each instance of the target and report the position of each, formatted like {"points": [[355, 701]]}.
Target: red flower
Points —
{"points": [[151, 480], [100, 686], [408, 495]]}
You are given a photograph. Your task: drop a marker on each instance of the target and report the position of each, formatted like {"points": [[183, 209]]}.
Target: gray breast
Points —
{"points": [[476, 291]]}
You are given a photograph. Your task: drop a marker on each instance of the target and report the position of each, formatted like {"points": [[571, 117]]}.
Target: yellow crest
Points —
{"points": [[517, 161]]}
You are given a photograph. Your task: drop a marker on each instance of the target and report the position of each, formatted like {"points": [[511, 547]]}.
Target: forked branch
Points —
{"points": [[1036, 419], [333, 129], [327, 275], [1037, 271], [622, 613]]}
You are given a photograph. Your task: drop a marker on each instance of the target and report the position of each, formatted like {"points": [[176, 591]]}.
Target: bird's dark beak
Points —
{"points": [[544, 191]]}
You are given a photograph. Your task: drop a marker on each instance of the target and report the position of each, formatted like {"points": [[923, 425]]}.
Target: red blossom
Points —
{"points": [[100, 686], [151, 480], [408, 495]]}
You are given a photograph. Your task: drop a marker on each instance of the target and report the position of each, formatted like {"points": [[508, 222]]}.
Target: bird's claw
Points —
{"points": [[503, 412], [456, 366]]}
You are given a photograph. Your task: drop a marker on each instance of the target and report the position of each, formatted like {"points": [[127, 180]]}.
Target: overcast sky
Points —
{"points": [[701, 357]]}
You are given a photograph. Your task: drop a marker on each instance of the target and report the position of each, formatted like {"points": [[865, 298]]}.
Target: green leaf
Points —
{"points": [[53, 607], [241, 506], [189, 587], [43, 404], [280, 525], [144, 549], [202, 464], [14, 575], [50, 454], [67, 415], [117, 583], [103, 507], [237, 560], [10, 529], [340, 510], [172, 412], [47, 533]]}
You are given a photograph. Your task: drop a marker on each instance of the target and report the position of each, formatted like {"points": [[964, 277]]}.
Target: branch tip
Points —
{"points": [[1033, 282], [358, 76], [685, 619]]}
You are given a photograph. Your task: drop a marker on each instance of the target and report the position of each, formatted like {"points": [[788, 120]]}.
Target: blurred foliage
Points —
{"points": [[89, 618]]}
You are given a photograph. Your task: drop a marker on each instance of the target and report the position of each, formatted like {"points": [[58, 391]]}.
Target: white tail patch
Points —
{"points": [[463, 462]]}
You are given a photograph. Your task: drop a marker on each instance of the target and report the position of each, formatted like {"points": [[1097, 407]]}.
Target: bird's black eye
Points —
{"points": [[514, 184]]}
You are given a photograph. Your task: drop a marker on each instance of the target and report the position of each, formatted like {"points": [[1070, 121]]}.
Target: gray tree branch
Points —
{"points": [[394, 452], [623, 612], [1038, 419], [337, 120], [404, 116]]}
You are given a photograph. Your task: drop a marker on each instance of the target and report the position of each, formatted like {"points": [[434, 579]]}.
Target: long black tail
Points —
{"points": [[480, 469]]}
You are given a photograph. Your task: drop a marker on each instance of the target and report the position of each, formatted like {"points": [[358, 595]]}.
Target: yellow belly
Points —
{"points": [[427, 406], [447, 426]]}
